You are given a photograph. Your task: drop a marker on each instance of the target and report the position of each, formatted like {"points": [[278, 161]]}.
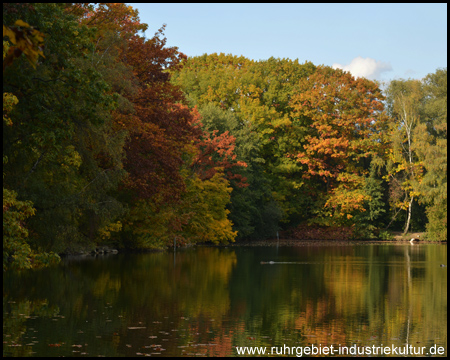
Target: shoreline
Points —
{"points": [[398, 240], [255, 243], [296, 242]]}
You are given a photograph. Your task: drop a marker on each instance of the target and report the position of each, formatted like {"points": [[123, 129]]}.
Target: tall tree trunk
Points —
{"points": [[409, 216]]}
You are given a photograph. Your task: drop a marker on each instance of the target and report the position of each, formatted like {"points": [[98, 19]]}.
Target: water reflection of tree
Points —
{"points": [[15, 318], [383, 298], [224, 296]]}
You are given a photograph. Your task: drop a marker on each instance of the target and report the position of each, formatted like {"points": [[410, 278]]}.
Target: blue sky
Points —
{"points": [[378, 41]]}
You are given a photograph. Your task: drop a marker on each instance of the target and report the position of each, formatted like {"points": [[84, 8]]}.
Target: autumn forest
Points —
{"points": [[114, 138]]}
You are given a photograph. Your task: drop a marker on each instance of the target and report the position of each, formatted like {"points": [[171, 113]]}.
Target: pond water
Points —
{"points": [[209, 301]]}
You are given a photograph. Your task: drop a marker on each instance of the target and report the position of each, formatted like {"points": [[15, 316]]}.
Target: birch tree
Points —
{"points": [[404, 99]]}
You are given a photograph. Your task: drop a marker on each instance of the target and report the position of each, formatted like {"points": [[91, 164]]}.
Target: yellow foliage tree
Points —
{"points": [[205, 205]]}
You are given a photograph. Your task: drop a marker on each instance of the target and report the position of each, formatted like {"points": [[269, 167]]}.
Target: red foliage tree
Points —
{"points": [[160, 129], [215, 151]]}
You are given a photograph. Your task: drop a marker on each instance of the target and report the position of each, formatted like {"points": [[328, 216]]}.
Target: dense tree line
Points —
{"points": [[112, 137], [333, 151]]}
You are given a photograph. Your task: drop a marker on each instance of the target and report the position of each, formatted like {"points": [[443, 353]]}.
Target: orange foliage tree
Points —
{"points": [[341, 117]]}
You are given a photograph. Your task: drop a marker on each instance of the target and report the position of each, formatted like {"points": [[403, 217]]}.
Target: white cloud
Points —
{"points": [[368, 68]]}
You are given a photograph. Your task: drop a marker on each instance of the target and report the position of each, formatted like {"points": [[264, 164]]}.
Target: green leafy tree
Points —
{"points": [[63, 154], [431, 150], [17, 253], [253, 211]]}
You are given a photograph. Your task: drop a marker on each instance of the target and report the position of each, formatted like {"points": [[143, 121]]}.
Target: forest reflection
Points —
{"points": [[208, 300]]}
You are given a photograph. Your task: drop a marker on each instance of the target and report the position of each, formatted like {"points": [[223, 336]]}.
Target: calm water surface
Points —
{"points": [[207, 300]]}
